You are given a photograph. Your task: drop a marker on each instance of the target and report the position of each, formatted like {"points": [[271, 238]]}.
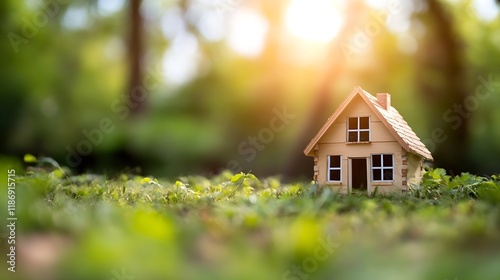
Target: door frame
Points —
{"points": [[349, 173]]}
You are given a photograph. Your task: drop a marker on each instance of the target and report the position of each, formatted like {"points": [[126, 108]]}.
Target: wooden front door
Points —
{"points": [[359, 174]]}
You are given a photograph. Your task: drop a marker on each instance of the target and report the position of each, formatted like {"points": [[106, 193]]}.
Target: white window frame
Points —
{"points": [[329, 168], [359, 130], [382, 168]]}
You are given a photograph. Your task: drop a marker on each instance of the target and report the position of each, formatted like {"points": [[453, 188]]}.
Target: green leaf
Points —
{"points": [[146, 180], [179, 184], [58, 173], [251, 176], [237, 177], [29, 158]]}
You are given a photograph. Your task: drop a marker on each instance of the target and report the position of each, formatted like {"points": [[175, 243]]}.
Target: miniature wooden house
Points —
{"points": [[366, 144]]}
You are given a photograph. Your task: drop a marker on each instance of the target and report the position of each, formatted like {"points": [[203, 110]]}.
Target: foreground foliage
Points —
{"points": [[240, 227]]}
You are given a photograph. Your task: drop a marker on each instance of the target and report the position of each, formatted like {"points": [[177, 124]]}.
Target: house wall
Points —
{"points": [[348, 151], [415, 169], [382, 141]]}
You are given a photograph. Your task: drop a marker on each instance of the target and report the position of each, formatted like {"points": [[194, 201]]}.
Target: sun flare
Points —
{"points": [[313, 20]]}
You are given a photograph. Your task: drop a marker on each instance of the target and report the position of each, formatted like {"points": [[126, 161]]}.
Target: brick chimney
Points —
{"points": [[384, 99]]}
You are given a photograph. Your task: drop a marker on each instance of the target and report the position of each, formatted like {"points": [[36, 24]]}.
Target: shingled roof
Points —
{"points": [[391, 118]]}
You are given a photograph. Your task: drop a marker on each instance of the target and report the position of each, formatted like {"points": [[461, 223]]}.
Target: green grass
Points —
{"points": [[241, 227]]}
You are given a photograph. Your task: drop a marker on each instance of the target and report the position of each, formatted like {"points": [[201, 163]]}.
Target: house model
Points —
{"points": [[366, 144]]}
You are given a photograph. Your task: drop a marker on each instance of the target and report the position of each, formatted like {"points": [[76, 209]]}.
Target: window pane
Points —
{"points": [[353, 123], [388, 161], [376, 160], [388, 174], [334, 175], [335, 161], [377, 174], [364, 123], [364, 136], [353, 137]]}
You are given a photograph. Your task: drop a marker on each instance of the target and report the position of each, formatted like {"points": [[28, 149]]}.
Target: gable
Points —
{"points": [[337, 132]]}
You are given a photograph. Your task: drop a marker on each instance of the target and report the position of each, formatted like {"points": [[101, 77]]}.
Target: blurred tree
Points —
{"points": [[13, 87], [136, 51], [442, 84]]}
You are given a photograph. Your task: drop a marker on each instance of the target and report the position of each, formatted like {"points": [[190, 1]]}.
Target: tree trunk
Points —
{"points": [[136, 90]]}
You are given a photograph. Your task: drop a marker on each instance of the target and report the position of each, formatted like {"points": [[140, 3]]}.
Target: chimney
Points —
{"points": [[384, 99]]}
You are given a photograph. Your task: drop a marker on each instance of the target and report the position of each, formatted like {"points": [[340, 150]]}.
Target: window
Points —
{"points": [[382, 168], [334, 168], [358, 129]]}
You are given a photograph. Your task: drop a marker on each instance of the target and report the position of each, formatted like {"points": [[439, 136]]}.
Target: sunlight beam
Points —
{"points": [[313, 20]]}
